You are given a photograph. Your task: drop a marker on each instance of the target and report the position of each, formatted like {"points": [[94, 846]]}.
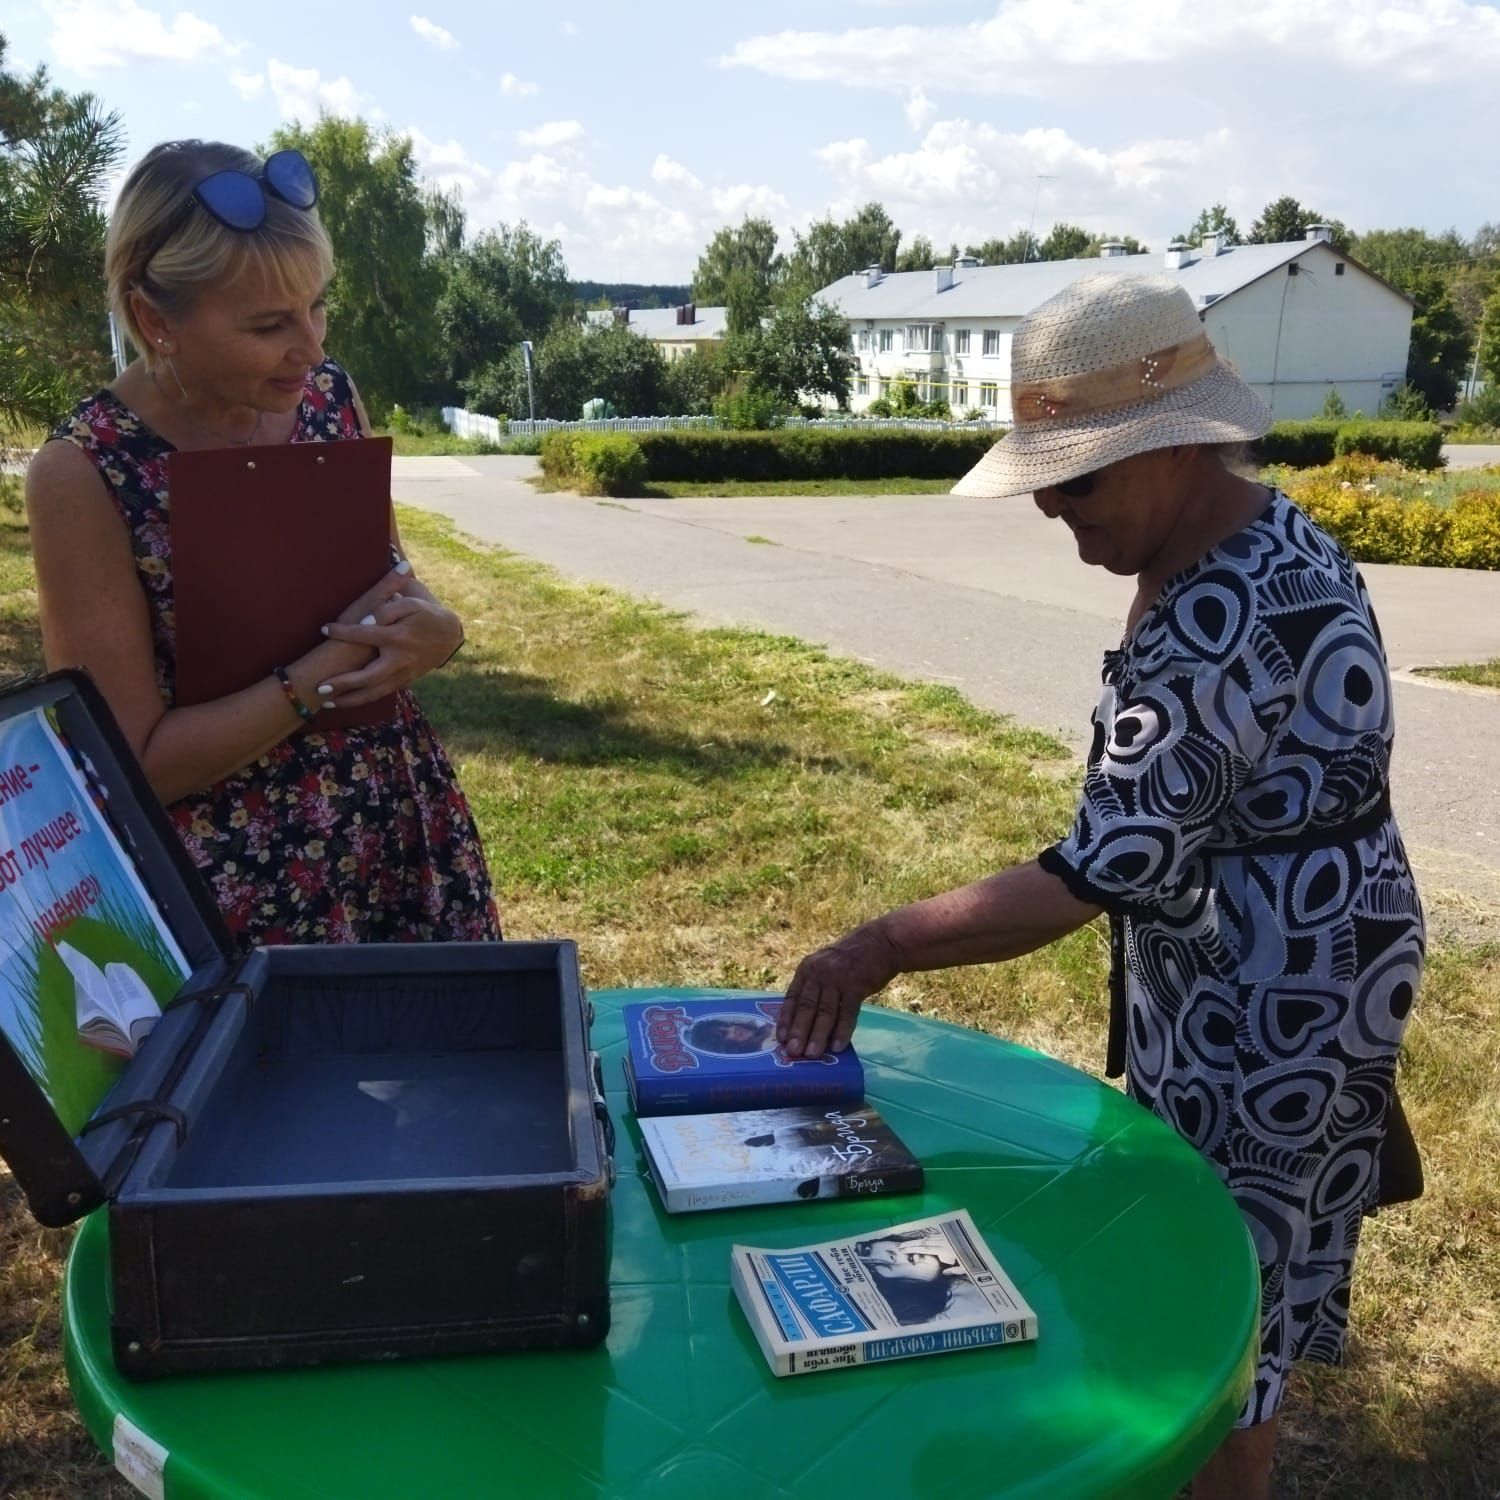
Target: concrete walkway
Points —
{"points": [[989, 597]]}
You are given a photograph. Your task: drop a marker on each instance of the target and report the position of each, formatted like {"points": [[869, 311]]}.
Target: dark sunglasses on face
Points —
{"points": [[1076, 489], [238, 199]]}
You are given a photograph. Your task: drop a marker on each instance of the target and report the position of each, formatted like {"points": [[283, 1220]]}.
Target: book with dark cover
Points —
{"points": [[775, 1156], [693, 1057]]}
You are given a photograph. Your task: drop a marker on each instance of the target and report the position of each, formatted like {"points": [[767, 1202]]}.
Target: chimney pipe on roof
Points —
{"points": [[942, 277], [967, 263], [1323, 232], [1110, 249], [1213, 244], [1179, 255], [873, 276]]}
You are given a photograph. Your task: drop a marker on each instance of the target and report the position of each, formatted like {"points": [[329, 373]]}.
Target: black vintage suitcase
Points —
{"points": [[316, 1153]]}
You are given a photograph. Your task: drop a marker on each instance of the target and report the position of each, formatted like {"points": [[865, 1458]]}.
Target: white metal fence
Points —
{"points": [[470, 424]]}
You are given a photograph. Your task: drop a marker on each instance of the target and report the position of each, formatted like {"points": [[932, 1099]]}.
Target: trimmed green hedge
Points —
{"points": [[1418, 445], [594, 463], [808, 453], [1309, 445]]}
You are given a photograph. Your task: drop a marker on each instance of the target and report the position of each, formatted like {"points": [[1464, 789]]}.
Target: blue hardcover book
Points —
{"points": [[698, 1057]]}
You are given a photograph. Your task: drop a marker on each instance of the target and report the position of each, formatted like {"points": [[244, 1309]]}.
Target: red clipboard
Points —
{"points": [[269, 544]]}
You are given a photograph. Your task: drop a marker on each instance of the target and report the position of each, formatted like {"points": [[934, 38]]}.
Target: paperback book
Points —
{"points": [[928, 1287], [775, 1156], [689, 1057]]}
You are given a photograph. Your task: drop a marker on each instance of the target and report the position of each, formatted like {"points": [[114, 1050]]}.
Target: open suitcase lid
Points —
{"points": [[106, 933]]}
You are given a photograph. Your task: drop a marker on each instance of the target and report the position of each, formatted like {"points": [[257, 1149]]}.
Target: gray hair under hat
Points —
{"points": [[1110, 367]]}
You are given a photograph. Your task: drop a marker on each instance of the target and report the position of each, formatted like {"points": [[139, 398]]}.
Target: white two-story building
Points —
{"points": [[1297, 320]]}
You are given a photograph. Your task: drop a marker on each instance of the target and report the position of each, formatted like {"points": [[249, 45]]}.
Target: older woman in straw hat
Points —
{"points": [[1234, 823], [218, 270]]}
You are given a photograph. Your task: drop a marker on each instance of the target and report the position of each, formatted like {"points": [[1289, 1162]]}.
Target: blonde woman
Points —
{"points": [[218, 267], [1235, 820]]}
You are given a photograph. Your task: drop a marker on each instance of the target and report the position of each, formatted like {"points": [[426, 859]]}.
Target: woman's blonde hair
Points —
{"points": [[291, 247]]}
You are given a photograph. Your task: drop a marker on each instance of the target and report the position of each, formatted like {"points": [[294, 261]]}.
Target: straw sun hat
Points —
{"points": [[1111, 366]]}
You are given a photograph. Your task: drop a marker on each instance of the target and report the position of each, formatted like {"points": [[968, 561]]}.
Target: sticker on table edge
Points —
{"points": [[142, 1460]]}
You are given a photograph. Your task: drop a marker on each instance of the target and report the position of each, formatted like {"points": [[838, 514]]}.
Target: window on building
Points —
{"points": [[864, 338], [862, 386], [924, 391], [991, 340], [919, 337], [960, 340], [1338, 270], [960, 396], [885, 387], [887, 340], [989, 393]]}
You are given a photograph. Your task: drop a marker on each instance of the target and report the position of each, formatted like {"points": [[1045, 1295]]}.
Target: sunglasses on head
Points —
{"points": [[238, 199], [1076, 489]]}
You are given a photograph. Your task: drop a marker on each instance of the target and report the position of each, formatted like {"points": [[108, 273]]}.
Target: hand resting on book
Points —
{"points": [[409, 631]]}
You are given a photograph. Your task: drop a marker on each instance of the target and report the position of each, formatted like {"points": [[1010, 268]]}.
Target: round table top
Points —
{"points": [[1135, 1259]]}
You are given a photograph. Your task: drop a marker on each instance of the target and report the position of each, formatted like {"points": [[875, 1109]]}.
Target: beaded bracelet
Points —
{"points": [[292, 697]]}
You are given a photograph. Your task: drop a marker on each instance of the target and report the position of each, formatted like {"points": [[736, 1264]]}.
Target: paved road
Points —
{"points": [[1471, 455], [991, 598]]}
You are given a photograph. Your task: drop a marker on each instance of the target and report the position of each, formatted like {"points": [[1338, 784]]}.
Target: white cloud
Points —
{"points": [[673, 174], [554, 133], [569, 29], [248, 85], [964, 171], [919, 108], [517, 88], [431, 32], [611, 230], [88, 35], [302, 93], [1031, 46], [748, 201]]}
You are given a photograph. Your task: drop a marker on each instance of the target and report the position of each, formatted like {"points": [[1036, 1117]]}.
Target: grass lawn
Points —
{"points": [[1481, 674], [635, 790]]}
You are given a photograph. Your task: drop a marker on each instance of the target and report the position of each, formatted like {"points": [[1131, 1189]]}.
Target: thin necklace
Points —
{"points": [[223, 437]]}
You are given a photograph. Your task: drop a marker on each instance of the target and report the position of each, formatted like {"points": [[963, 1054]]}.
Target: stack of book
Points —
{"points": [[727, 1118]]}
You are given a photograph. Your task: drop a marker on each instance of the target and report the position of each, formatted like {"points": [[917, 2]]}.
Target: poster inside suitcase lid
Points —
{"points": [[401, 1104]]}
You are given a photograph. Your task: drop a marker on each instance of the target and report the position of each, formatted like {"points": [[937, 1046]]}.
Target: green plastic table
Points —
{"points": [[1134, 1257]]}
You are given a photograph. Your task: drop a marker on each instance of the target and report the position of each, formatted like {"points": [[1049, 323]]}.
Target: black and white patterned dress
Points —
{"points": [[1235, 823]]}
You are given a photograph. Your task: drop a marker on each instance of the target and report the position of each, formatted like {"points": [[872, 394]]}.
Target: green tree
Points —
{"points": [[445, 221], [832, 249], [1021, 246], [382, 306], [509, 284], [694, 382], [1064, 242], [1489, 339], [573, 364], [1423, 266], [739, 269], [1286, 219], [803, 351], [918, 256], [1096, 245], [56, 150], [1214, 220]]}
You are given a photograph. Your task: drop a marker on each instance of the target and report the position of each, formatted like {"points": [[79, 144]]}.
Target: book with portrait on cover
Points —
{"points": [[928, 1287], [775, 1156], [689, 1057]]}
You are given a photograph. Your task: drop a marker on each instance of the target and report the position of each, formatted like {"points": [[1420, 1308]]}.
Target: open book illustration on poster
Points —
{"points": [[86, 961], [115, 1009]]}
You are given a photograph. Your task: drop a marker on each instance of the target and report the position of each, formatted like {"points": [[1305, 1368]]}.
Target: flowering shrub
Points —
{"points": [[1383, 512]]}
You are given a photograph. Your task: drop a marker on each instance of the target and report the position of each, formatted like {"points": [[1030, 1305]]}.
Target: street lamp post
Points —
{"points": [[530, 389]]}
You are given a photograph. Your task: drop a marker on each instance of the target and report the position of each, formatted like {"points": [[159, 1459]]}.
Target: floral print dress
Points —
{"points": [[334, 836]]}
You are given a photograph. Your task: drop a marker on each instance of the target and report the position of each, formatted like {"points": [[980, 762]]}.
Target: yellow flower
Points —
{"points": [[314, 849], [238, 818]]}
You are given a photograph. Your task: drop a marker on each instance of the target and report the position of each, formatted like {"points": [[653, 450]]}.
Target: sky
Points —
{"points": [[631, 134]]}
